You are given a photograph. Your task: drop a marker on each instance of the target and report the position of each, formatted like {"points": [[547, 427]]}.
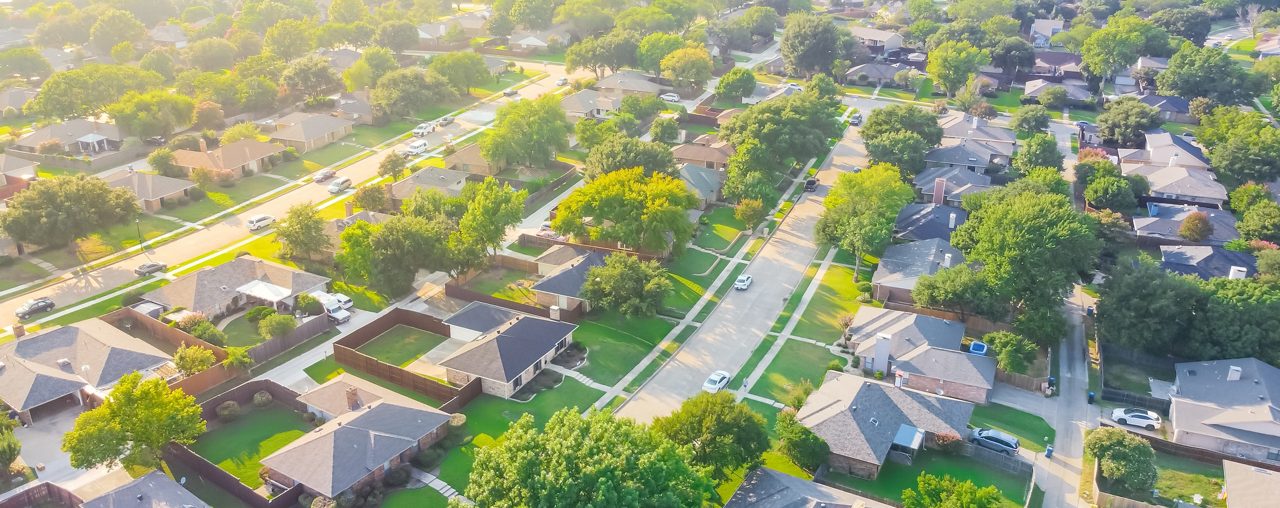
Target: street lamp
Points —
{"points": [[137, 223]]}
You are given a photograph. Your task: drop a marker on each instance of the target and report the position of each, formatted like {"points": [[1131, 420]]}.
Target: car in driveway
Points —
{"points": [[332, 308], [34, 306], [260, 221], [716, 381], [994, 440], [1137, 417], [339, 185], [856, 119], [343, 300], [323, 175], [669, 97], [149, 268]]}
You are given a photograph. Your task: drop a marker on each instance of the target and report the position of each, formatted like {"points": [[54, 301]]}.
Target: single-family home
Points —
{"points": [[975, 155], [765, 93], [707, 151], [875, 73], [880, 42], [563, 287], [902, 265], [628, 82], [1076, 93], [354, 106], [508, 355], [558, 255], [593, 104], [864, 420], [1228, 406], [334, 228], [305, 132], [370, 430], [949, 185], [1247, 486], [169, 36], [1044, 29], [1057, 64], [926, 221], [76, 136], [1268, 45], [766, 488], [470, 160], [152, 490], [776, 66], [1165, 149], [16, 174], [447, 181], [237, 159], [1192, 185], [15, 98], [1172, 108], [246, 281], [541, 40], [1164, 221], [453, 31], [477, 319], [959, 125], [340, 59], [496, 66], [152, 190], [53, 369], [703, 182], [1207, 261], [920, 352]]}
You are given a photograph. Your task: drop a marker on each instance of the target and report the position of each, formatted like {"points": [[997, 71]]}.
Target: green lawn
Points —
{"points": [[836, 297], [502, 83], [1179, 128], [794, 300], [796, 362], [897, 93], [1088, 115], [293, 352], [532, 252], [769, 413], [720, 231], [363, 297], [47, 171], [690, 275], [1033, 432], [238, 447], [512, 285], [222, 198], [488, 417], [241, 333], [401, 345], [421, 497], [1180, 478], [18, 272], [1133, 378], [316, 160], [204, 489], [372, 136], [894, 477], [1007, 102], [328, 368], [924, 90], [613, 350], [108, 241], [753, 360]]}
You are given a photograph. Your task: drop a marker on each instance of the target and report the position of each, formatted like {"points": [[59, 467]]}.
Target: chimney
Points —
{"points": [[554, 312], [946, 260], [350, 207], [940, 191], [1238, 272], [353, 398], [973, 123], [951, 221], [1233, 373], [880, 360], [1173, 159], [204, 145]]}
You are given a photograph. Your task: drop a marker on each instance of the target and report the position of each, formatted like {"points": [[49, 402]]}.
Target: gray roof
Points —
{"points": [[587, 100], [1074, 92], [924, 221], [1180, 180], [964, 126], [348, 448], [1163, 148], [1168, 103], [950, 365], [148, 185], [153, 490], [335, 227], [907, 330], [705, 182], [859, 417], [629, 81], [1249, 486], [340, 59], [16, 98], [1062, 60], [308, 126], [354, 103], [560, 254], [69, 131], [1245, 410], [568, 279], [766, 488], [876, 70], [1205, 261], [969, 152], [209, 289], [902, 265], [507, 351], [481, 317], [1167, 219], [52, 363], [331, 397], [960, 181], [446, 180]]}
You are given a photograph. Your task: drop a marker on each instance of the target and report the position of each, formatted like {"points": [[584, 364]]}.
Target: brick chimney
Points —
{"points": [[350, 207], [353, 399], [939, 191]]}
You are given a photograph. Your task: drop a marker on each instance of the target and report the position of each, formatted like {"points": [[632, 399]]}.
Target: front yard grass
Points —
{"points": [[222, 198], [1008, 101], [506, 80], [897, 93], [796, 362], [401, 345], [316, 160], [371, 136], [721, 229], [837, 296], [613, 350], [793, 301], [1132, 378], [1031, 430], [690, 275], [18, 272], [1088, 115], [238, 447], [753, 360], [894, 477], [108, 241]]}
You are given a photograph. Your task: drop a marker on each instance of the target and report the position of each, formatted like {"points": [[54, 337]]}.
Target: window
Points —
{"points": [[563, 343], [516, 384], [1273, 454]]}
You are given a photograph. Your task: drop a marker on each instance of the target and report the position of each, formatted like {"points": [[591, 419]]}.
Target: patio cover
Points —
{"points": [[909, 437], [91, 138], [265, 291]]}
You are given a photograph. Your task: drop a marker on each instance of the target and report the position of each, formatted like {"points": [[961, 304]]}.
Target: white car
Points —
{"points": [[424, 128], [562, 81], [716, 381], [339, 185], [418, 147], [343, 300], [1137, 418], [669, 97], [795, 87], [332, 308], [743, 282], [260, 221]]}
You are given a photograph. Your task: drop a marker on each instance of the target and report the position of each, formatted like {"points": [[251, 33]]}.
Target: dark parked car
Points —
{"points": [[323, 175], [33, 307], [856, 119], [510, 93], [811, 185], [154, 141], [444, 120], [149, 268]]}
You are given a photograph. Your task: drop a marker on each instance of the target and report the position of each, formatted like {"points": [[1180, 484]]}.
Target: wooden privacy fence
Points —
{"points": [[43, 494], [211, 473], [243, 395], [974, 325], [310, 327], [529, 240], [1194, 453], [455, 290], [389, 320], [130, 320]]}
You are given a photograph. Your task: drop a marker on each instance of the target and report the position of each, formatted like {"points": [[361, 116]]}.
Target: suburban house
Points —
{"points": [[16, 174], [353, 106], [305, 132], [875, 73], [766, 488], [1268, 45], [16, 98], [152, 490], [972, 154], [540, 40], [765, 93], [447, 181], [496, 66], [1044, 29], [556, 256], [776, 66], [1164, 220], [1207, 261], [1247, 486], [370, 430], [340, 59], [1076, 93], [246, 281], [957, 125], [926, 221], [76, 136], [903, 264], [169, 36], [705, 183], [54, 369], [880, 42], [470, 160], [707, 151], [863, 421], [588, 103], [1166, 149], [508, 354], [1193, 185], [437, 35], [476, 319], [1124, 79], [1057, 64], [151, 189], [237, 159], [563, 287], [628, 83], [334, 228], [922, 352], [1228, 406], [1172, 108], [949, 185]]}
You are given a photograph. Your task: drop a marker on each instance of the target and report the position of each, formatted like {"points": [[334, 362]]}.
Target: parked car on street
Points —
{"points": [[856, 119], [418, 147], [716, 381], [444, 120], [811, 185], [1137, 417], [323, 175], [669, 97], [743, 282], [149, 268], [562, 81], [424, 128], [260, 221], [995, 440], [34, 306], [339, 185], [510, 93]]}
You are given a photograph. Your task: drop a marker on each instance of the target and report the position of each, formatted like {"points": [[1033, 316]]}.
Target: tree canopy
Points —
{"points": [[953, 62], [629, 207], [627, 285], [155, 113], [526, 133], [134, 424], [902, 117], [1124, 120], [57, 211], [1209, 72], [725, 435], [861, 208], [623, 152], [88, 90], [793, 127], [1123, 458], [302, 232]]}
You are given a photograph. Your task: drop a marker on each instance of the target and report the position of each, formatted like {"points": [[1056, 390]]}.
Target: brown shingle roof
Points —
{"points": [[227, 157], [147, 185]]}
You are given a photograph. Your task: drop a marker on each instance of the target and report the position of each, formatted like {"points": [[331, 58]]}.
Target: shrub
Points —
{"points": [[855, 362], [50, 147], [207, 332], [261, 399], [879, 374], [950, 444], [228, 411], [835, 365], [10, 448], [430, 458], [397, 476], [276, 326], [196, 194], [306, 499], [291, 154], [256, 314], [864, 287], [309, 305]]}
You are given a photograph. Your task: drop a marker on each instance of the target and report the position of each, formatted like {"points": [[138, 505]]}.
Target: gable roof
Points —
{"points": [[209, 289], [1205, 261], [924, 221], [906, 330], [227, 157], [331, 397], [1180, 180], [587, 100], [96, 354], [629, 81], [872, 34], [354, 103], [949, 365], [481, 317], [308, 126], [16, 98], [964, 126], [69, 131], [1075, 92], [168, 34], [1246, 410], [335, 227], [1061, 60], [1168, 103], [859, 417], [148, 185], [970, 152], [1167, 219], [1046, 27], [960, 181], [1163, 148], [876, 70], [766, 488], [447, 180], [703, 181], [17, 166], [507, 351], [568, 279], [1247, 486], [902, 265], [153, 490]]}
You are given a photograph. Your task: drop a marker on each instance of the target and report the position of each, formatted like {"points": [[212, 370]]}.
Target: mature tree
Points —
{"points": [[276, 326], [393, 166], [526, 133], [1054, 97], [290, 38], [736, 84], [1196, 227], [810, 43], [1155, 40], [1268, 263], [396, 35], [800, 444], [1109, 50], [656, 46], [1038, 151], [463, 69], [192, 360], [1251, 152], [501, 25], [24, 61], [134, 424], [266, 66], [903, 149], [529, 467], [648, 19], [403, 92], [794, 127], [1111, 193], [237, 132], [590, 132], [979, 9], [628, 285], [629, 207], [114, 27], [208, 115], [725, 434], [861, 208], [155, 113], [159, 61], [57, 211], [1014, 353], [902, 117], [373, 198], [493, 208], [356, 251], [347, 11], [301, 232], [952, 63], [934, 492], [88, 90], [961, 289], [611, 51], [374, 63], [1030, 119], [759, 21], [1209, 72], [625, 152], [1123, 458], [10, 448], [1046, 179], [1144, 307], [1245, 196], [688, 68], [211, 54], [310, 76], [664, 130], [964, 30], [1123, 121], [401, 246], [1261, 222], [1013, 53], [533, 14], [585, 16], [750, 174], [1191, 23]]}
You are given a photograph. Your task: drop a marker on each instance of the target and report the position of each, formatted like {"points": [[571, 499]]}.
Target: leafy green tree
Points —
{"points": [[688, 68], [655, 47], [1031, 119], [155, 113], [134, 424], [211, 54], [624, 152], [1014, 353], [649, 19], [276, 326], [24, 61], [396, 35], [1123, 458], [612, 51], [979, 9], [1209, 72], [961, 289], [310, 76], [356, 250], [114, 27], [1196, 227], [374, 63], [372, 197], [1144, 307], [627, 206], [493, 208], [749, 211], [1054, 97], [934, 492], [347, 11], [242, 130], [760, 21], [10, 448], [88, 90], [1252, 152], [403, 91], [526, 133], [1109, 50], [403, 245], [961, 30], [1046, 179], [393, 166], [238, 358], [192, 360], [799, 126], [290, 38], [159, 61], [1245, 196], [1261, 222], [1124, 121], [736, 84], [902, 117], [725, 434], [57, 211], [533, 14], [301, 232], [903, 149], [749, 175], [952, 63], [861, 209], [586, 16], [1268, 264], [501, 25], [810, 43], [800, 444], [529, 467], [1038, 151], [1111, 193], [1191, 23], [266, 66], [627, 285], [463, 69], [1013, 53], [590, 132], [664, 130]]}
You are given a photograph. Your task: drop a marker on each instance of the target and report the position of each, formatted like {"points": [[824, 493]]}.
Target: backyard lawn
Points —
{"points": [[238, 447], [1031, 430], [612, 349], [690, 275], [894, 477], [720, 231], [530, 251], [837, 296], [316, 160], [241, 333], [796, 362], [401, 345], [421, 497], [328, 368], [371, 136], [1007, 102], [222, 198], [1181, 478], [18, 272], [506, 284], [211, 494]]}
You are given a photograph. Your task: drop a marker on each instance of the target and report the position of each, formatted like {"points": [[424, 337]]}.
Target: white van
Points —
{"points": [[332, 308], [418, 147], [260, 221]]}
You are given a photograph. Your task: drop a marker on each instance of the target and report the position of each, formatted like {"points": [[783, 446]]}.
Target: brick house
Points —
{"points": [[506, 348], [920, 352]]}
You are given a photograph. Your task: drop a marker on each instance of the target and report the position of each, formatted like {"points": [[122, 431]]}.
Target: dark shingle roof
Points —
{"points": [[766, 488], [504, 353], [481, 317], [902, 265], [1205, 261], [568, 279], [154, 490], [923, 221]]}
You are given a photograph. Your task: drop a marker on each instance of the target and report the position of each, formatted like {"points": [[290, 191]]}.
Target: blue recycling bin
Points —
{"points": [[1091, 397], [1048, 452]]}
